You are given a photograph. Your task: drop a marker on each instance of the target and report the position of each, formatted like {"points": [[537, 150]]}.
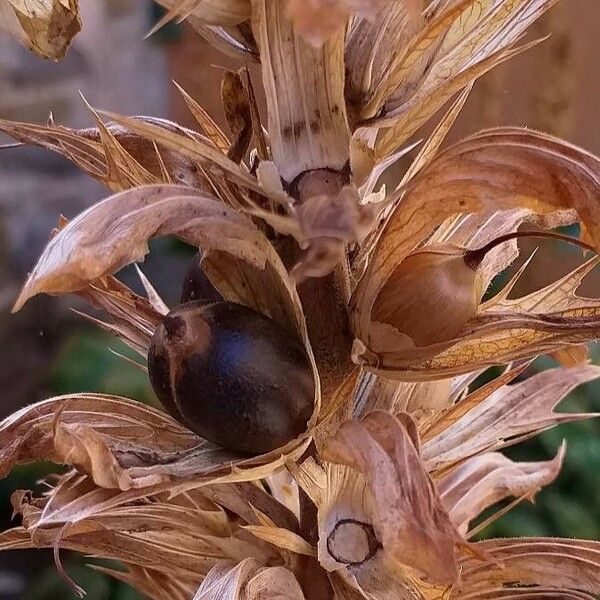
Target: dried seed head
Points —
{"points": [[232, 375], [433, 293]]}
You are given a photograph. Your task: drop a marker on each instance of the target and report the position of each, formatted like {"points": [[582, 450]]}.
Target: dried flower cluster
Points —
{"points": [[382, 289]]}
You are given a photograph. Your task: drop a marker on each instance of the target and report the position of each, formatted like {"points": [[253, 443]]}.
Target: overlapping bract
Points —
{"points": [[46, 27]]}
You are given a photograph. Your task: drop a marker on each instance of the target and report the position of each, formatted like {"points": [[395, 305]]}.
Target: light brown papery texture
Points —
{"points": [[550, 319], [115, 232], [548, 562], [499, 170], [123, 444], [372, 49], [462, 40], [483, 480], [409, 519], [176, 537], [304, 88], [46, 27], [117, 157], [249, 580], [502, 169], [507, 415]]}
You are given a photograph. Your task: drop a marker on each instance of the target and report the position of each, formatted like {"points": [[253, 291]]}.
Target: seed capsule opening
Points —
{"points": [[352, 542]]}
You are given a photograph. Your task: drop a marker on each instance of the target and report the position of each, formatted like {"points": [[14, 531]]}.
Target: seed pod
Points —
{"points": [[196, 285], [431, 294], [430, 297], [232, 375]]}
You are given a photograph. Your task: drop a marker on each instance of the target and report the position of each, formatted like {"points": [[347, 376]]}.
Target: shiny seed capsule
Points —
{"points": [[232, 375]]}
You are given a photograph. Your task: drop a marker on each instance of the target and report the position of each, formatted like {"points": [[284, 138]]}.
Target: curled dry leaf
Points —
{"points": [[461, 401], [409, 520], [75, 502], [118, 158], [487, 478], [506, 416], [115, 232], [122, 444], [46, 27], [557, 566], [30, 434]]}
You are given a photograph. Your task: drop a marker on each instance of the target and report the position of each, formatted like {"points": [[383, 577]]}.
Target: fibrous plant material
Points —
{"points": [[47, 27], [323, 439]]}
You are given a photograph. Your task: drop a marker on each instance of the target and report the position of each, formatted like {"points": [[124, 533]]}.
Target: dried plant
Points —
{"points": [[373, 304]]}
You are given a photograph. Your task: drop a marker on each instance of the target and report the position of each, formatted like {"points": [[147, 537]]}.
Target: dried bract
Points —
{"points": [[46, 27]]}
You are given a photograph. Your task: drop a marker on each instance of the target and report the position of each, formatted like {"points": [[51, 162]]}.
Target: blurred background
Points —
{"points": [[48, 350]]}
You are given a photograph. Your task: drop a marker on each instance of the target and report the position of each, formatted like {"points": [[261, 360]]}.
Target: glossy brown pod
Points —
{"points": [[196, 285], [232, 375]]}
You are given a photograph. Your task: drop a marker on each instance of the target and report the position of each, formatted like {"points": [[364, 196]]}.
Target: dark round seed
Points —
{"points": [[232, 375], [196, 285]]}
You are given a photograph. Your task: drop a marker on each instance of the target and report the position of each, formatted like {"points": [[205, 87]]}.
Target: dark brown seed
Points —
{"points": [[234, 376], [196, 285]]}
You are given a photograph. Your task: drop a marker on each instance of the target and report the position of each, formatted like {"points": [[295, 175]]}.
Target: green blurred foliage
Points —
{"points": [[92, 361]]}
